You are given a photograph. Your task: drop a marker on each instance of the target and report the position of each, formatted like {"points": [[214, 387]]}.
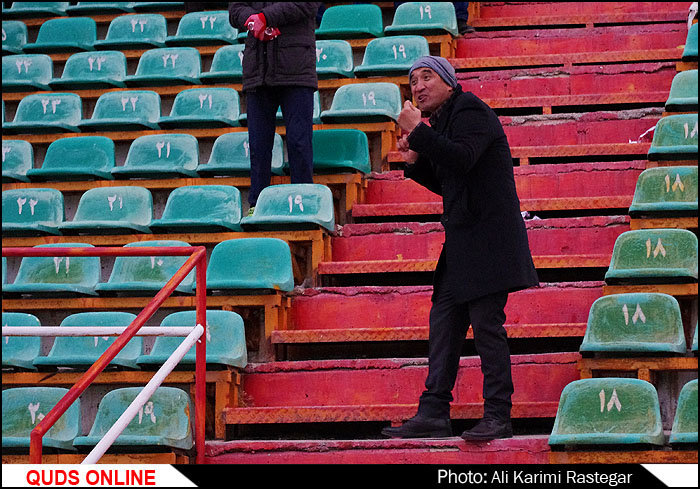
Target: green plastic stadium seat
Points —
{"points": [[20, 351], [685, 422], [204, 29], [225, 336], [26, 72], [138, 275], [94, 69], [694, 347], [424, 18], [227, 65], [157, 6], [675, 138], [364, 102], [163, 421], [608, 411], [230, 155], [203, 108], [292, 206], [202, 209], [634, 323], [341, 150], [64, 35], [351, 21], [334, 59], [654, 256], [83, 351], [160, 156], [667, 191], [690, 51], [56, 275], [142, 31], [32, 211], [167, 66], [392, 56], [99, 8], [131, 110], [683, 96], [279, 116], [41, 113], [14, 36], [251, 264], [4, 270], [35, 9], [24, 407], [17, 159], [79, 158]]}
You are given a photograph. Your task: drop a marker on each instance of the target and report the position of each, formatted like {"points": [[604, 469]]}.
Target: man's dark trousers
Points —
{"points": [[297, 109], [449, 323]]}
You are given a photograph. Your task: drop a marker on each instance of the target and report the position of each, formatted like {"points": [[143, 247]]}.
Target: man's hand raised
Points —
{"points": [[409, 117]]}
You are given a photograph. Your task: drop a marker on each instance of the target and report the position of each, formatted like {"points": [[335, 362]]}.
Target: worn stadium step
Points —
{"points": [[540, 188], [516, 450], [388, 389]]}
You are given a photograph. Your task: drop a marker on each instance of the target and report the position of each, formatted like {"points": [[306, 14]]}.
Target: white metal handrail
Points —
{"points": [[93, 331]]}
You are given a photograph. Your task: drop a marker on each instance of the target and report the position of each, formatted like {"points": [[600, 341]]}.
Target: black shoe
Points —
{"points": [[464, 28], [489, 429], [420, 427]]}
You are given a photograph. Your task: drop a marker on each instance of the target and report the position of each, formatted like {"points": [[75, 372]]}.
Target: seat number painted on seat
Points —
{"points": [[320, 55], [401, 49], [638, 315], [425, 10], [99, 59], [54, 102], [296, 200], [26, 62], [172, 57], [57, 260], [203, 98], [129, 100], [210, 18], [160, 145], [368, 97], [677, 184], [614, 401], [33, 410], [659, 248], [694, 131], [138, 21], [147, 409], [23, 200]]}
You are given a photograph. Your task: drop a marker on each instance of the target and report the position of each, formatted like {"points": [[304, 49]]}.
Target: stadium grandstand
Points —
{"points": [[125, 152]]}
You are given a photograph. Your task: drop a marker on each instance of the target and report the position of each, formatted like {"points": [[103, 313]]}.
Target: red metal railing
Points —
{"points": [[197, 258]]}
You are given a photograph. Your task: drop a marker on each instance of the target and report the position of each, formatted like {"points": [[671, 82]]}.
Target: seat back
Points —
{"points": [[207, 105], [608, 411], [638, 322], [17, 159], [685, 422], [94, 69], [334, 58], [140, 30], [32, 208], [351, 21], [230, 155], [73, 158], [169, 63], [363, 100], [26, 72], [20, 351], [129, 105], [66, 34], [36, 9], [14, 36], [227, 62], [675, 138], [49, 108], [251, 263], [666, 191], [162, 153], [690, 51], [115, 204], [202, 207], [204, 28], [99, 8], [683, 96], [341, 149], [394, 55], [654, 256], [424, 18]]}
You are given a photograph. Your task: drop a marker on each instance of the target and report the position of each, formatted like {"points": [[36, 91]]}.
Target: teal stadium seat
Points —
{"points": [[683, 96], [160, 156], [64, 35], [656, 256], [392, 56], [42, 113], [164, 420], [204, 28], [341, 150], [35, 9], [252, 265], [666, 191], [690, 51], [112, 210], [17, 159], [130, 110], [99, 8], [637, 323], [675, 138], [279, 116], [79, 158], [24, 407], [144, 275], [334, 59], [20, 351], [26, 72], [230, 156], [81, 352], [608, 411], [694, 347], [14, 36], [4, 270], [32, 211], [201, 209], [227, 65], [225, 336], [141, 31], [157, 6], [213, 107], [424, 18], [685, 422], [364, 102], [56, 276], [91, 70], [167, 66], [350, 22], [292, 207]]}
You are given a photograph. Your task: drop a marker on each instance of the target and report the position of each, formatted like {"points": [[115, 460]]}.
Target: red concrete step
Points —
{"points": [[518, 450]]}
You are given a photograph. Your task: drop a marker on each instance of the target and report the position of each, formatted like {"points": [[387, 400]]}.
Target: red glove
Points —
{"points": [[256, 24]]}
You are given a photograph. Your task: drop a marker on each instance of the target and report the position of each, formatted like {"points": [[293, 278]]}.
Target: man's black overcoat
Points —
{"points": [[464, 157]]}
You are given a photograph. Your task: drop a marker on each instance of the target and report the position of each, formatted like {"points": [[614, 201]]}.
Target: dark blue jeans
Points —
{"points": [[297, 109]]}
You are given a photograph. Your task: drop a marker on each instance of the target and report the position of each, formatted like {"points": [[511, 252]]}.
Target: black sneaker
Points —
{"points": [[489, 429], [464, 28], [420, 427]]}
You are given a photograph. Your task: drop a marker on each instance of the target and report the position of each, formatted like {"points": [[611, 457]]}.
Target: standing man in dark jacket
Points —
{"points": [[279, 69], [463, 155]]}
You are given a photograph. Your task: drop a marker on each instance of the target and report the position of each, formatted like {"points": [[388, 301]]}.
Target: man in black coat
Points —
{"points": [[463, 155], [279, 69]]}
